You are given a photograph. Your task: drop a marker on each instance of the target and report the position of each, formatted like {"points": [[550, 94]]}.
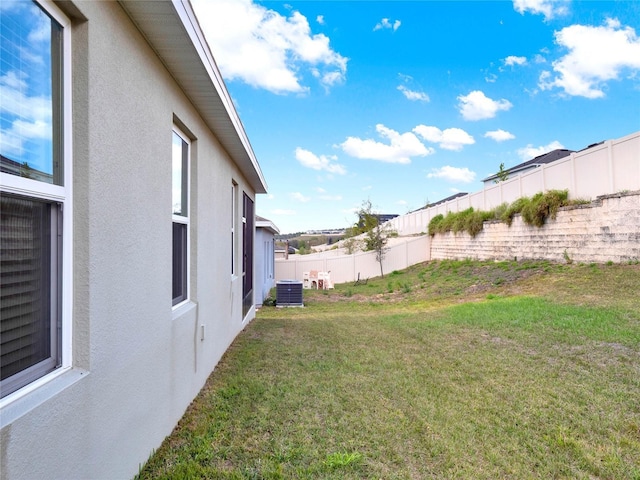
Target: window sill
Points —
{"points": [[21, 402], [182, 309]]}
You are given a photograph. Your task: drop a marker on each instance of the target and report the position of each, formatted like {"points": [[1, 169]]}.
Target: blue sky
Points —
{"points": [[25, 92], [408, 102]]}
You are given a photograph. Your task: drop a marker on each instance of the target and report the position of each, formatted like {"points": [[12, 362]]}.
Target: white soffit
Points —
{"points": [[268, 225], [172, 30]]}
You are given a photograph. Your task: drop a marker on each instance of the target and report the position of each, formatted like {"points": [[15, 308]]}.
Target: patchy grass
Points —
{"points": [[477, 370]]}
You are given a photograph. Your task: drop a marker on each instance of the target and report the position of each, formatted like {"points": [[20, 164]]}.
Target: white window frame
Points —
{"points": [[63, 195], [185, 220], [234, 233]]}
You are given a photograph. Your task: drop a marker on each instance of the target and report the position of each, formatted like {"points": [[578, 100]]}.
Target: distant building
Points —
{"points": [[264, 258], [382, 217], [330, 231], [529, 165], [385, 217], [444, 200], [23, 170]]}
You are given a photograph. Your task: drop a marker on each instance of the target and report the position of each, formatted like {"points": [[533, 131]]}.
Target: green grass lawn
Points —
{"points": [[446, 370]]}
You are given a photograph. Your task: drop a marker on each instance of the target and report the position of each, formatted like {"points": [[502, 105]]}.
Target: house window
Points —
{"points": [[180, 216], [247, 254], [35, 194]]}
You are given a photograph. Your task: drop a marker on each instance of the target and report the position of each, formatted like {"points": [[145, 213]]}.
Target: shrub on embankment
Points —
{"points": [[534, 210]]}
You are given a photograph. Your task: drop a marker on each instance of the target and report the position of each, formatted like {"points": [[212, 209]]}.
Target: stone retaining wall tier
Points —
{"points": [[606, 230]]}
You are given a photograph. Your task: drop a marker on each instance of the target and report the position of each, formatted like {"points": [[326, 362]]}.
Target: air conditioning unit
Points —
{"points": [[289, 293]]}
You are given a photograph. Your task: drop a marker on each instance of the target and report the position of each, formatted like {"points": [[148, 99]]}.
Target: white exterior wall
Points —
{"points": [[136, 363], [264, 259]]}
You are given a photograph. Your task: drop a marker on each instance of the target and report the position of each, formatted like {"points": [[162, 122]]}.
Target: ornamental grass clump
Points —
{"points": [[534, 211], [447, 222], [543, 206], [460, 220], [513, 209], [474, 222], [435, 224]]}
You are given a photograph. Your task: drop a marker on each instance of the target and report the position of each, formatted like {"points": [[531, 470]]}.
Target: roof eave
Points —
{"points": [[268, 225], [173, 31]]}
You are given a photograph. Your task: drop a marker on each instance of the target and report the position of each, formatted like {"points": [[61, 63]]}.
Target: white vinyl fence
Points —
{"points": [[612, 167], [345, 268]]}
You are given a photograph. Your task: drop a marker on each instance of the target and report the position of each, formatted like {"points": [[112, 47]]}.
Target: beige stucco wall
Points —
{"points": [[137, 364], [606, 230]]}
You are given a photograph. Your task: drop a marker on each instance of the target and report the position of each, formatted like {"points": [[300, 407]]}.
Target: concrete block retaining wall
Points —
{"points": [[606, 230]]}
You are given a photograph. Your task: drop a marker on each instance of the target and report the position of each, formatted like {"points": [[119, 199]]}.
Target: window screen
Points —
{"points": [[28, 298]]}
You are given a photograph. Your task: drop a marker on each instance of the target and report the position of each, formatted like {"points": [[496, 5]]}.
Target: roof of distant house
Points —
{"points": [[448, 199], [548, 157], [267, 224]]}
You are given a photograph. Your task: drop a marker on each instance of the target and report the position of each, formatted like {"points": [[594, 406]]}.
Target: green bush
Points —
{"points": [[534, 211], [499, 211], [434, 224], [447, 222], [269, 302], [514, 208], [468, 220], [543, 206], [460, 220], [474, 222]]}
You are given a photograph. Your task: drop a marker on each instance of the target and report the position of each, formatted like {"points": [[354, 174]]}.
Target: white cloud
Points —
{"points": [[499, 135], [14, 80], [265, 49], [539, 58], [386, 23], [298, 197], [30, 115], [320, 19], [512, 60], [413, 95], [529, 152], [596, 55], [491, 78], [477, 106], [321, 163], [41, 30], [400, 149], [282, 211], [548, 8], [453, 174], [331, 198], [449, 139]]}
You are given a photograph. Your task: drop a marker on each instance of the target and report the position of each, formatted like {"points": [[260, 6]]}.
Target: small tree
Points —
{"points": [[376, 240], [376, 233], [351, 245], [502, 174], [26, 171]]}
